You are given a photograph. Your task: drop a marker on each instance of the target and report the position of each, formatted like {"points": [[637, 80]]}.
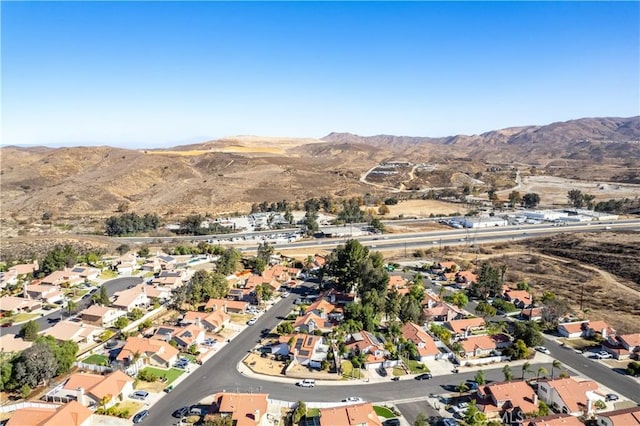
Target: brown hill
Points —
{"points": [[229, 174]]}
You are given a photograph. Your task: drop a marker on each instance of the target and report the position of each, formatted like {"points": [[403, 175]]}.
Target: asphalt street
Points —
{"points": [[50, 319]]}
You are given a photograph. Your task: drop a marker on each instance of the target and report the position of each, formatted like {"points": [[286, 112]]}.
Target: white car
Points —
{"points": [[306, 383], [543, 350], [353, 399], [252, 321], [604, 355], [285, 295]]}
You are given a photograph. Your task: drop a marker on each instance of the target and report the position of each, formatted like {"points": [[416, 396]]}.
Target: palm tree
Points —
{"points": [[554, 365], [526, 368], [506, 370], [541, 372], [463, 387], [71, 306]]}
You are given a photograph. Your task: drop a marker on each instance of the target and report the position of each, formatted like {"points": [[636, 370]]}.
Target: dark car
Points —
{"points": [[424, 376], [395, 378], [392, 422], [472, 385], [611, 397], [181, 412], [140, 416]]}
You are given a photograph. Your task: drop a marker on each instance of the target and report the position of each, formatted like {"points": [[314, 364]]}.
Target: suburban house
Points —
{"points": [[464, 279], [101, 316], [311, 322], [245, 409], [151, 265], [349, 415], [572, 330], [482, 345], [95, 389], [211, 321], [321, 308], [71, 414], [531, 314], [186, 336], [554, 420], [465, 327], [497, 398], [568, 395], [441, 312], [10, 343], [86, 272], [75, 331], [132, 298], [364, 342], [18, 304], [148, 351], [624, 417], [161, 294], [226, 306], [396, 282], [304, 349], [48, 293], [166, 261], [60, 277], [521, 299], [623, 346], [23, 269], [126, 264], [8, 278], [172, 278], [427, 349]]}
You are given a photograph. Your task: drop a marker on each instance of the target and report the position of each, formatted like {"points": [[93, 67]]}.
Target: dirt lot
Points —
{"points": [[424, 208], [553, 190]]}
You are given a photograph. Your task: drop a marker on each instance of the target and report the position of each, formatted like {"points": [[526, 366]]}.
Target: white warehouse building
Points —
{"points": [[483, 222]]}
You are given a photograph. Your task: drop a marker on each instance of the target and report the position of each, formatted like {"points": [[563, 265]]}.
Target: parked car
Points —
{"points": [[543, 350], [353, 399], [306, 383], [395, 378], [181, 412], [252, 321], [181, 363], [209, 342], [194, 410], [604, 355], [168, 388], [471, 384], [611, 397], [424, 376], [140, 416], [141, 395], [285, 294], [392, 422]]}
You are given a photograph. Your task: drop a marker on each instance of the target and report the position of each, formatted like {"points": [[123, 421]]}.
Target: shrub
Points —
{"points": [[147, 376]]}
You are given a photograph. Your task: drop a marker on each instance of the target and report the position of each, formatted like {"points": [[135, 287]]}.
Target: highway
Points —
{"points": [[220, 374], [46, 321]]}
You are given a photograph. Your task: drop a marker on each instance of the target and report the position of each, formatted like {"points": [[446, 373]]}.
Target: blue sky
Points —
{"points": [[147, 74]]}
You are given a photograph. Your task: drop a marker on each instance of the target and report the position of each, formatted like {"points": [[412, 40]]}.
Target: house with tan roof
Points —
{"points": [[245, 409], [365, 342], [572, 330], [25, 268], [309, 323], [10, 343], [304, 349], [8, 278], [211, 321], [624, 417], [150, 352], [623, 346], [396, 282], [531, 314], [442, 312], [132, 298], [567, 395], [349, 415], [48, 293], [78, 332], [427, 348], [482, 345], [95, 389], [554, 420], [18, 304], [497, 398], [321, 307], [521, 299], [159, 293], [191, 334], [64, 276], [464, 279], [101, 316], [126, 264], [226, 306], [86, 272], [71, 414], [465, 327]]}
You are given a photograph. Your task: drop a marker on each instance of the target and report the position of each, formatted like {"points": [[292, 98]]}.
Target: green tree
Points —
{"points": [[310, 222], [299, 412], [480, 377], [71, 306], [555, 365], [485, 310], [528, 332], [599, 404], [506, 370], [35, 366], [410, 309], [228, 261], [29, 331], [6, 370], [285, 327], [458, 299], [377, 224], [143, 251], [102, 298], [218, 421], [633, 368], [421, 420], [136, 314], [514, 198], [531, 200], [264, 252], [474, 417], [121, 323], [392, 305], [576, 198], [543, 409], [518, 350], [58, 258], [526, 368], [541, 372]]}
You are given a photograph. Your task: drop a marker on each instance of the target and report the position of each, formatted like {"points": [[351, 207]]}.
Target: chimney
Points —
{"points": [[24, 289], [256, 416], [604, 333], [198, 324], [82, 398], [535, 399]]}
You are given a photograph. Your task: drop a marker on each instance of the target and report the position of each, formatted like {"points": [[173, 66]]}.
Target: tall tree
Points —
{"points": [[35, 366], [480, 377], [514, 198], [576, 198], [506, 370], [526, 368], [531, 200], [29, 331], [555, 365]]}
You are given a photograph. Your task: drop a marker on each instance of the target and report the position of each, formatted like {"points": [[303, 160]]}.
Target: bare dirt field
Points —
{"points": [[553, 190], [424, 208]]}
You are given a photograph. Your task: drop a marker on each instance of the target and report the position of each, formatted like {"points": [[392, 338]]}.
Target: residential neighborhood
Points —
{"points": [[135, 345]]}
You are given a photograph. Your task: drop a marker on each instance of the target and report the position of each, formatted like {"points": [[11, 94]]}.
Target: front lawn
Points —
{"points": [[96, 359], [416, 367], [108, 274], [348, 371], [171, 374], [383, 412], [22, 317], [313, 412]]}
